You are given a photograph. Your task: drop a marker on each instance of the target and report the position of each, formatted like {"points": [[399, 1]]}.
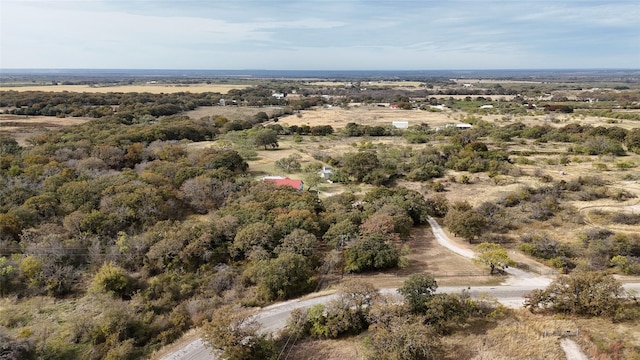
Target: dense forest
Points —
{"points": [[128, 237]]}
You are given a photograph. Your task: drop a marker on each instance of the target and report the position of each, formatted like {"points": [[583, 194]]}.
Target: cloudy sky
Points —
{"points": [[320, 34]]}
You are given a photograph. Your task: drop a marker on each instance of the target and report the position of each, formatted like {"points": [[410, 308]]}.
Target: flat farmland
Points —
{"points": [[366, 115], [140, 88]]}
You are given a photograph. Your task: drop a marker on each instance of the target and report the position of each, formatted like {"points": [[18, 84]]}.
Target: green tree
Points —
{"points": [[593, 293], [340, 233], [371, 252], [312, 180], [437, 205], [346, 314], [289, 164], [294, 219], [253, 240], [284, 277], [360, 165], [446, 312], [261, 117], [233, 332], [417, 290], [265, 138], [466, 223], [299, 241], [212, 158], [493, 255]]}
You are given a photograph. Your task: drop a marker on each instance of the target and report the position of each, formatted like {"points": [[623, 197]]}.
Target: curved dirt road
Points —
{"points": [[518, 276]]}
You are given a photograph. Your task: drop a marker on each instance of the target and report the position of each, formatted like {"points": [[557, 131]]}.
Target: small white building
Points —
{"points": [[462, 126], [486, 107], [326, 172], [400, 124]]}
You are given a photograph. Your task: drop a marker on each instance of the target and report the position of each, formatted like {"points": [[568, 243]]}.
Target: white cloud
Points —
{"points": [[319, 34]]}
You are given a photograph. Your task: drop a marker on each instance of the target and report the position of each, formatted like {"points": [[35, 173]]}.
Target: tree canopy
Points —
{"points": [[493, 255]]}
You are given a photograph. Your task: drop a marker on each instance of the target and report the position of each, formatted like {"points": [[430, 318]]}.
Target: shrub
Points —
{"points": [[112, 279], [626, 218], [581, 293], [417, 290]]}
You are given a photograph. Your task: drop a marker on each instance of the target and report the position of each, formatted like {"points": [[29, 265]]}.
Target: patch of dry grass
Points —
{"points": [[339, 349], [605, 340], [518, 336], [21, 127]]}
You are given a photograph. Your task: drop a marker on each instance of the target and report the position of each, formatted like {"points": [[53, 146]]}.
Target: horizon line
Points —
{"points": [[258, 69]]}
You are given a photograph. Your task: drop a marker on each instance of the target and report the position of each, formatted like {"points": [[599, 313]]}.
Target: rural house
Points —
{"points": [[285, 181]]}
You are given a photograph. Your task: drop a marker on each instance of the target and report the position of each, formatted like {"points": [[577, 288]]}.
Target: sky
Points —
{"points": [[320, 34]]}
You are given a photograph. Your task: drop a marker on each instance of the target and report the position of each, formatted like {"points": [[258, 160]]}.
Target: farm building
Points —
{"points": [[486, 107], [285, 181]]}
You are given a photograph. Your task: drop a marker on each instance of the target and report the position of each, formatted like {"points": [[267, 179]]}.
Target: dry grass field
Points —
{"points": [[23, 127], [149, 88], [230, 112], [367, 115]]}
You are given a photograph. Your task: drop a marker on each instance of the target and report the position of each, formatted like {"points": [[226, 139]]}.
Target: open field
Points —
{"points": [[150, 88], [230, 112], [374, 115], [23, 127], [366, 115]]}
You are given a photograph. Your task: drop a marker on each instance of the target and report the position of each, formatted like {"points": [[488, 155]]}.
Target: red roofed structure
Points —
{"points": [[280, 181]]}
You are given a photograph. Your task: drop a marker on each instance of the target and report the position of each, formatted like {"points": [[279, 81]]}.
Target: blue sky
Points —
{"points": [[320, 34]]}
